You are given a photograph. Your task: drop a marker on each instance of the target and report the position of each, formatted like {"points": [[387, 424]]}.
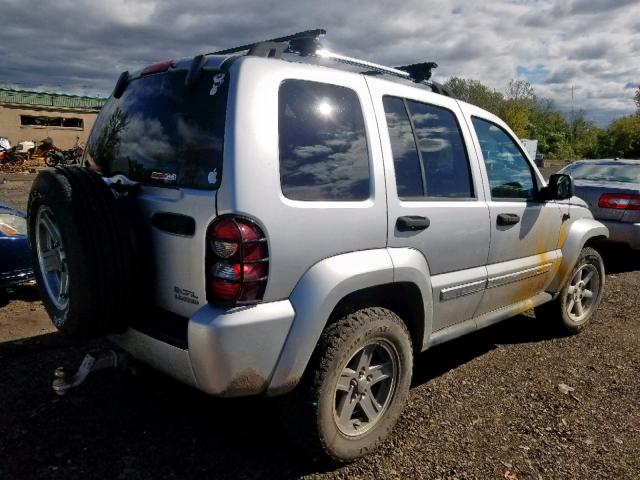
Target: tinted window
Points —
{"points": [[446, 167], [323, 147], [406, 162], [163, 132], [509, 172], [429, 155]]}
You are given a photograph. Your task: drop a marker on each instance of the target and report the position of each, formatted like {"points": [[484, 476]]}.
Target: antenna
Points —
{"points": [[573, 123]]}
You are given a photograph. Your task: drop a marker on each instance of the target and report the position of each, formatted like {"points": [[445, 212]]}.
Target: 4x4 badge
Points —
{"points": [[185, 295]]}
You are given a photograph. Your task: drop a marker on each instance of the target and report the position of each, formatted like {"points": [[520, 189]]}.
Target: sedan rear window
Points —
{"points": [[609, 172]]}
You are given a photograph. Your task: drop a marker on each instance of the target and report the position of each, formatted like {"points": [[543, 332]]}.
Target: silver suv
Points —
{"points": [[278, 219]]}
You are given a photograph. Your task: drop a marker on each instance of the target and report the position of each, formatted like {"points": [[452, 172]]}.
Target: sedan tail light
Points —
{"points": [[237, 261], [620, 201]]}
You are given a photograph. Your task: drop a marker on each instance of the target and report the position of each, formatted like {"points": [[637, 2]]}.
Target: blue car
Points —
{"points": [[15, 258]]}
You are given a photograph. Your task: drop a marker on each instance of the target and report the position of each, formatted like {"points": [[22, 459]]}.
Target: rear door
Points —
{"points": [[435, 198], [524, 230]]}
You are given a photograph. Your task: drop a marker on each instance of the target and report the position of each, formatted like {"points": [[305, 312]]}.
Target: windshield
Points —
{"points": [[163, 132], [609, 172]]}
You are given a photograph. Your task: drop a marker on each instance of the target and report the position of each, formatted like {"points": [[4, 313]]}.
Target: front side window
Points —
{"points": [[509, 172], [323, 145], [429, 155]]}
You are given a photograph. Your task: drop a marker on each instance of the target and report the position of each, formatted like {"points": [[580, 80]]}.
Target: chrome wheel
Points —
{"points": [[52, 258], [582, 292], [366, 387]]}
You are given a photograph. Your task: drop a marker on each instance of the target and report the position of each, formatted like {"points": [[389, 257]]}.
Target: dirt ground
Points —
{"points": [[485, 406]]}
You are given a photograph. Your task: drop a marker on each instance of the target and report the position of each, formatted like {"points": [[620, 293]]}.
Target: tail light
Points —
{"points": [[237, 261], [620, 201], [157, 67]]}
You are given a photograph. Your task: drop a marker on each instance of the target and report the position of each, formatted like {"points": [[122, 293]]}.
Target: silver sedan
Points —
{"points": [[612, 190]]}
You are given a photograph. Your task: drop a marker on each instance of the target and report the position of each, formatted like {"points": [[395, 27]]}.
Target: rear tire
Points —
{"points": [[82, 253], [354, 389], [579, 298]]}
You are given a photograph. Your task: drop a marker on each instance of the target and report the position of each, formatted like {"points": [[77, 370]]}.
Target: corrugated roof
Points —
{"points": [[44, 99]]}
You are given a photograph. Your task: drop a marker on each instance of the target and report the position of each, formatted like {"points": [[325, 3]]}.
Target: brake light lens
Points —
{"points": [[157, 67], [237, 261], [620, 201]]}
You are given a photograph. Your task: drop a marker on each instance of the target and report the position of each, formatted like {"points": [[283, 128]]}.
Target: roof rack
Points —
{"points": [[307, 43]]}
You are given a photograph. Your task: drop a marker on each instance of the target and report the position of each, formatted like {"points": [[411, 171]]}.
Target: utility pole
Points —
{"points": [[573, 123]]}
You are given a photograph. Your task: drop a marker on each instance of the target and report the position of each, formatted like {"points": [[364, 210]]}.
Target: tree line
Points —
{"points": [[530, 116]]}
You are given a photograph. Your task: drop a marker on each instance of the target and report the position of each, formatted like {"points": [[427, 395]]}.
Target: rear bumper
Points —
{"points": [[229, 352], [624, 232]]}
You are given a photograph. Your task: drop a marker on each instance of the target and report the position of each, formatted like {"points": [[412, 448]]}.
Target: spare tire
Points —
{"points": [[82, 252]]}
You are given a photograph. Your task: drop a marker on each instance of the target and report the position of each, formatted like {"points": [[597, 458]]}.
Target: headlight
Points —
{"points": [[12, 224]]}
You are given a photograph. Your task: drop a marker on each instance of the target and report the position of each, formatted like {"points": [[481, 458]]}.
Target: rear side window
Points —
{"points": [[429, 155], [509, 172], [162, 132], [323, 146]]}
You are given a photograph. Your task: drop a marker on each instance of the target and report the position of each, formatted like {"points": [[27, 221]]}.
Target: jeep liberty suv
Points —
{"points": [[278, 219]]}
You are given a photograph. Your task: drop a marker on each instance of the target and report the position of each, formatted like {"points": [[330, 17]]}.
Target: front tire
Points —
{"points": [[580, 297], [355, 387]]}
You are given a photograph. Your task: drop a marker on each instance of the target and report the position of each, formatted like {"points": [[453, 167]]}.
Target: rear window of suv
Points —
{"points": [[162, 132], [323, 145]]}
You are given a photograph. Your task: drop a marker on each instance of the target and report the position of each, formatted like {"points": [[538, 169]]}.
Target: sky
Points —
{"points": [[81, 46]]}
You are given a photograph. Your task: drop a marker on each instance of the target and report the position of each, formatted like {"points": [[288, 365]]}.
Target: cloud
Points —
{"points": [[590, 51], [562, 75], [598, 6], [82, 46]]}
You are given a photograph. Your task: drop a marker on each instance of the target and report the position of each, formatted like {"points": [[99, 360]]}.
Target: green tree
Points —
{"points": [[516, 114], [521, 91], [518, 105], [636, 98], [476, 93], [624, 137], [585, 136]]}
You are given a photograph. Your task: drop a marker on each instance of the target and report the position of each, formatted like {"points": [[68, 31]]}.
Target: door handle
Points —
{"points": [[412, 223], [508, 219]]}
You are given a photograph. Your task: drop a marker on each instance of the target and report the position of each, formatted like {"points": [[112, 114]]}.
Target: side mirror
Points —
{"points": [[560, 187]]}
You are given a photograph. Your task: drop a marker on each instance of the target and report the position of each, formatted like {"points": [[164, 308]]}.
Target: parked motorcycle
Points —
{"points": [[40, 151], [71, 156], [9, 156]]}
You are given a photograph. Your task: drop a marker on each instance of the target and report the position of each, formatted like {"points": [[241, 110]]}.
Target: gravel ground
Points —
{"points": [[489, 405]]}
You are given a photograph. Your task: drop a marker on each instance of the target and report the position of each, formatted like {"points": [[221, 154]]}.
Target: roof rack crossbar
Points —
{"points": [[307, 34], [370, 66], [307, 43]]}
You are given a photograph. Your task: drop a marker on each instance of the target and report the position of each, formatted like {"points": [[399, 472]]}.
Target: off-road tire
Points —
{"points": [[555, 313], [308, 411], [95, 237]]}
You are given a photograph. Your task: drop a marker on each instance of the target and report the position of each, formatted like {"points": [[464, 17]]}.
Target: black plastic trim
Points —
{"points": [[165, 326], [121, 84], [175, 223]]}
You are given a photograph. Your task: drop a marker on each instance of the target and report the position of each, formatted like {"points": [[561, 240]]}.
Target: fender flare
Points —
{"points": [[319, 291], [572, 241]]}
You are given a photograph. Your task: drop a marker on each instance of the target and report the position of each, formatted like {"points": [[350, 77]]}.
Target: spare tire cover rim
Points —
{"points": [[52, 258]]}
